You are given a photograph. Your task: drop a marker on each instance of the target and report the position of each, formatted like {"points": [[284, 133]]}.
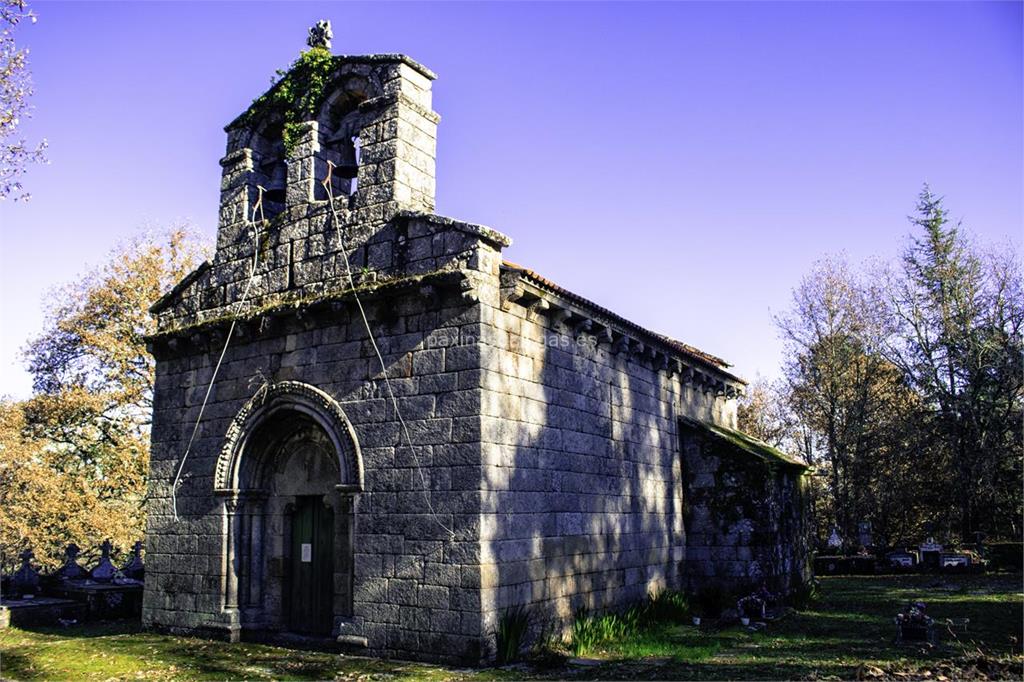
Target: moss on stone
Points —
{"points": [[758, 448]]}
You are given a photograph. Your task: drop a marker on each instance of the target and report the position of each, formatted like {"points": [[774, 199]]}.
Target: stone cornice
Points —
{"points": [[168, 298], [490, 235], [285, 305]]}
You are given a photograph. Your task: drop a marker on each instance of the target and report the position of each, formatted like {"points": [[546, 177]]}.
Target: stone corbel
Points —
{"points": [[510, 295], [304, 317], [537, 308], [469, 292], [582, 327], [266, 325], [560, 315], [621, 344], [665, 365]]}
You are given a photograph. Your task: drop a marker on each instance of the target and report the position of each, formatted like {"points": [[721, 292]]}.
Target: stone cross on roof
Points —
{"points": [[320, 34]]}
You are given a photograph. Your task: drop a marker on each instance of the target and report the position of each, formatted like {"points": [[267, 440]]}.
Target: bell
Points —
{"points": [[277, 181]]}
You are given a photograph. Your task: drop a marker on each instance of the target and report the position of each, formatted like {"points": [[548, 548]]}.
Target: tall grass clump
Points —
{"points": [[512, 627], [591, 631], [667, 606], [588, 632]]}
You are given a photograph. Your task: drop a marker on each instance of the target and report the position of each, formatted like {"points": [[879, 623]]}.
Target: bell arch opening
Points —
{"points": [[288, 475]]}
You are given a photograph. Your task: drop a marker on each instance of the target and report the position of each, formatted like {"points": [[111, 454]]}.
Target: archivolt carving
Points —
{"points": [[289, 395]]}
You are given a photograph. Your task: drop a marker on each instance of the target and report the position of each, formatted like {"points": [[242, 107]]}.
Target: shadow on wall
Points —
{"points": [[582, 508]]}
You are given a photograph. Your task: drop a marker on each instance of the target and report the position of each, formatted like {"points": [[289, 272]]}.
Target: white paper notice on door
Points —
{"points": [[307, 552]]}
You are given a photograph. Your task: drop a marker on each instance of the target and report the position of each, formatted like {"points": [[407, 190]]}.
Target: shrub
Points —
{"points": [[512, 628], [1007, 556], [666, 606]]}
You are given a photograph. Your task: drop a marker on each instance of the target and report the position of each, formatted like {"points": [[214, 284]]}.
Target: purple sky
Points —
{"points": [[682, 164]]}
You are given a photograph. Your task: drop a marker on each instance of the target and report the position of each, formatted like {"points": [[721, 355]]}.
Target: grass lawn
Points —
{"points": [[846, 634]]}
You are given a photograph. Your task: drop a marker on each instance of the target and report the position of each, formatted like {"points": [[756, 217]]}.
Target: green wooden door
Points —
{"points": [[311, 575]]}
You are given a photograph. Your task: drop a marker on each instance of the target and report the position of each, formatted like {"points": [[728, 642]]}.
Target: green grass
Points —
{"points": [[121, 651], [847, 633]]}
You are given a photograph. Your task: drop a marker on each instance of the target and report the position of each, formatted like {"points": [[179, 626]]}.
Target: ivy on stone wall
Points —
{"points": [[296, 96]]}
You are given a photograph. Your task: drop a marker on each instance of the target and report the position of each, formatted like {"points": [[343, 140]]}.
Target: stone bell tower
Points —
{"points": [[367, 119]]}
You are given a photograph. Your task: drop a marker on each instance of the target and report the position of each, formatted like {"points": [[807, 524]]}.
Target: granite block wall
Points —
{"points": [[745, 518], [582, 495], [411, 573]]}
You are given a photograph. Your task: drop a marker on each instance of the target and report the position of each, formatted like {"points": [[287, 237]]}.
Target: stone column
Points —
{"points": [[398, 143], [237, 194], [231, 554], [303, 166], [254, 556]]}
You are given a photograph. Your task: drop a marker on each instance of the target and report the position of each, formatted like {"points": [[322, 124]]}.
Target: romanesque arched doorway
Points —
{"points": [[288, 474]]}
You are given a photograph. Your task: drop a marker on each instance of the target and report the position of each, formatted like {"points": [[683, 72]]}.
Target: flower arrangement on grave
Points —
{"points": [[914, 624], [753, 605]]}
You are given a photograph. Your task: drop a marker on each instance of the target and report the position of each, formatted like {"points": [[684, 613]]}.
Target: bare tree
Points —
{"points": [[848, 398]]}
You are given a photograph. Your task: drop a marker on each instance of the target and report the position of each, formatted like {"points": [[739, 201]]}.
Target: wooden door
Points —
{"points": [[311, 574]]}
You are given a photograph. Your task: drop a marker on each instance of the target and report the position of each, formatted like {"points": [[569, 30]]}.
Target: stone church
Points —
{"points": [[371, 430]]}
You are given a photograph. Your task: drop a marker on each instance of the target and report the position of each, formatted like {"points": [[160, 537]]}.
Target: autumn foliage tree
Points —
{"points": [[74, 457], [906, 387]]}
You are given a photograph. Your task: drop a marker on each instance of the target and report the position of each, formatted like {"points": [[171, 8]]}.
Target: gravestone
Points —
{"points": [[70, 570], [134, 568], [901, 559], [106, 593], [931, 553], [105, 571], [834, 541], [25, 581], [864, 534], [955, 560]]}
